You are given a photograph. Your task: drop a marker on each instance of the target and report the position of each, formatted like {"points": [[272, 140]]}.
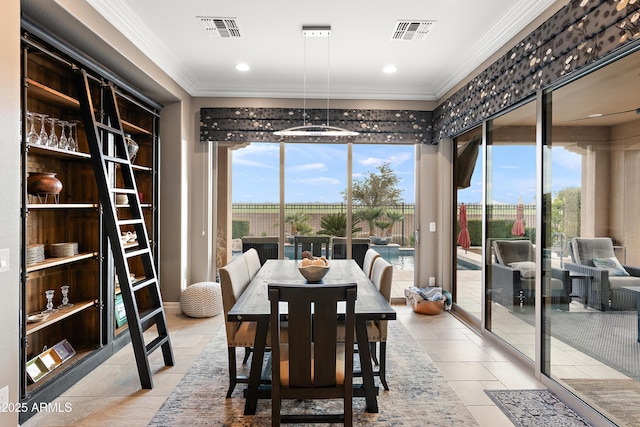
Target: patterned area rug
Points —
{"points": [[540, 408], [418, 395]]}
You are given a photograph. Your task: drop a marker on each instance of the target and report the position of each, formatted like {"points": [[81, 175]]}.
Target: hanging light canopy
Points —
{"points": [[309, 129]]}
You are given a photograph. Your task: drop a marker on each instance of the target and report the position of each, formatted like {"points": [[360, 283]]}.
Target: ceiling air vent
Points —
{"points": [[220, 27], [411, 30]]}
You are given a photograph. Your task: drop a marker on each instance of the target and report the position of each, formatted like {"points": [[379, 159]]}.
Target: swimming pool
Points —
{"points": [[399, 258], [404, 258]]}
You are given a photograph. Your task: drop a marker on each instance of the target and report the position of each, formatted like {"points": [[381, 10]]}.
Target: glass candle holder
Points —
{"points": [[65, 297], [49, 294]]}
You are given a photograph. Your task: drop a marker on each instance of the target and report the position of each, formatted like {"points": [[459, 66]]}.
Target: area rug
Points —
{"points": [[618, 400], [418, 396], [610, 337], [540, 408]]}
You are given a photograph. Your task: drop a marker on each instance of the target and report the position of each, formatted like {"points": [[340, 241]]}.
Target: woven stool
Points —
{"points": [[203, 299]]}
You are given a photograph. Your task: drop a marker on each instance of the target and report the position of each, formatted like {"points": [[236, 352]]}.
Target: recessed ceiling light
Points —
{"points": [[390, 69], [591, 116], [242, 67]]}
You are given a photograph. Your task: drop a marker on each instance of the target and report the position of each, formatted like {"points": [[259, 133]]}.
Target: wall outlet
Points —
{"points": [[432, 281], [4, 396]]}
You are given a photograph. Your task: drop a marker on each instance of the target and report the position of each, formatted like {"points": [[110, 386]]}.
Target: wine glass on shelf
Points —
{"points": [[71, 141], [53, 138], [32, 136], [49, 309], [43, 138], [63, 142]]}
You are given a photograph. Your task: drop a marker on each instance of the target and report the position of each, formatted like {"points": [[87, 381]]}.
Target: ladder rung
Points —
{"points": [[123, 190], [142, 284], [130, 221], [108, 128], [113, 159], [150, 315], [138, 252], [157, 342]]}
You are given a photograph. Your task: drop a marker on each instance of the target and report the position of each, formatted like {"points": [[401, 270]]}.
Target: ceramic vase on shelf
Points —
{"points": [[132, 147], [44, 184]]}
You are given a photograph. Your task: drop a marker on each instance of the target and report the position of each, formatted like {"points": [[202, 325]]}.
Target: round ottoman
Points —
{"points": [[203, 299]]}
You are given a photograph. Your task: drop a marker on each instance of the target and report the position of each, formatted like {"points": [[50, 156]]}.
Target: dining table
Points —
{"points": [[253, 305]]}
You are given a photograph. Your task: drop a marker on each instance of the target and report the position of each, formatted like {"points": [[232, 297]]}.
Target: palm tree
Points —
{"points": [[370, 215], [335, 224], [298, 221]]}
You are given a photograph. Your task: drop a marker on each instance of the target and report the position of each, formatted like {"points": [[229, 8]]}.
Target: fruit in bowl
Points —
{"points": [[313, 269]]}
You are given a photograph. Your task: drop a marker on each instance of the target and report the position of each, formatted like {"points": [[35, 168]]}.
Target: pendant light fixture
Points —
{"points": [[309, 129]]}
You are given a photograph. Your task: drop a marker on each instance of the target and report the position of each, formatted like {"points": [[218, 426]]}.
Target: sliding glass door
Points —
{"points": [[510, 228], [591, 180]]}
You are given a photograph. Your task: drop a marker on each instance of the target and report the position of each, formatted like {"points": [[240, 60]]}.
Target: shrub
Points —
{"points": [[239, 228]]}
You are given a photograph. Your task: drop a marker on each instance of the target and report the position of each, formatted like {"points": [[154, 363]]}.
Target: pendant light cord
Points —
{"points": [[304, 83]]}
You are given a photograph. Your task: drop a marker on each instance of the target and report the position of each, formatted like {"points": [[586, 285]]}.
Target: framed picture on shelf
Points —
{"points": [[121, 314]]}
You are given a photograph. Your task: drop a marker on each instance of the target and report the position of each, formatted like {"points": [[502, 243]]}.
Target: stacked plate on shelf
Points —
{"points": [[59, 250], [35, 253]]}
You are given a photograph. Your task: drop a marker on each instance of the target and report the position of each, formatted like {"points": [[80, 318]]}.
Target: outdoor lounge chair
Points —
{"points": [[513, 277], [605, 283]]}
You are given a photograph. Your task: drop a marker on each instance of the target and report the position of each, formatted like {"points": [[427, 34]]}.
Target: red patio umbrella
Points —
{"points": [[463, 237], [518, 227]]}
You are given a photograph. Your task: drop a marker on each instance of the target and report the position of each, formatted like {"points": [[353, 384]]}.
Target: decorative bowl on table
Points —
{"points": [[314, 270]]}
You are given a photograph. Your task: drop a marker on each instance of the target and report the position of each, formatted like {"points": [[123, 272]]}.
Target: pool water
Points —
{"points": [[399, 258]]}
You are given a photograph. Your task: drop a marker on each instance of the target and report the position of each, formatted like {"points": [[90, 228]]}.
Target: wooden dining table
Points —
{"points": [[253, 305]]}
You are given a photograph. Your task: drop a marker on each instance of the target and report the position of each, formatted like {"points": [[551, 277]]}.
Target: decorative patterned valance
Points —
{"points": [[258, 124], [577, 35]]}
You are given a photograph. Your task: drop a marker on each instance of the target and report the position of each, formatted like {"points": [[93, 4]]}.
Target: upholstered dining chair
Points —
{"points": [[382, 277], [252, 259], [369, 257], [311, 363], [234, 278], [317, 245]]}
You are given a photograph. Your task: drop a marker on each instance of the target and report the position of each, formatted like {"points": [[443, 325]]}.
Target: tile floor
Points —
{"points": [[111, 394]]}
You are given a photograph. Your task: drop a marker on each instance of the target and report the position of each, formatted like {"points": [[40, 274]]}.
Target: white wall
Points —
{"points": [[10, 203], [434, 184]]}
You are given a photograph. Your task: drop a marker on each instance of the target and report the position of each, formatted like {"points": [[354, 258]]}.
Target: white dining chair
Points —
{"points": [[369, 257]]}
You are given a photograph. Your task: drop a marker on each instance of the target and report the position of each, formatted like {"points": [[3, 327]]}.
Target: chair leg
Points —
{"points": [[232, 370], [247, 353], [383, 364], [372, 350]]}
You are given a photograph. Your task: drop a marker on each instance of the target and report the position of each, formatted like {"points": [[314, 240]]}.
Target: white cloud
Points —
{"points": [[371, 161], [257, 155], [393, 160], [309, 167], [566, 159], [321, 181]]}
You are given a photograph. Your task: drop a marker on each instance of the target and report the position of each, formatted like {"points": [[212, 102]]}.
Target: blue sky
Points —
{"points": [[317, 172], [314, 172], [514, 174]]}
